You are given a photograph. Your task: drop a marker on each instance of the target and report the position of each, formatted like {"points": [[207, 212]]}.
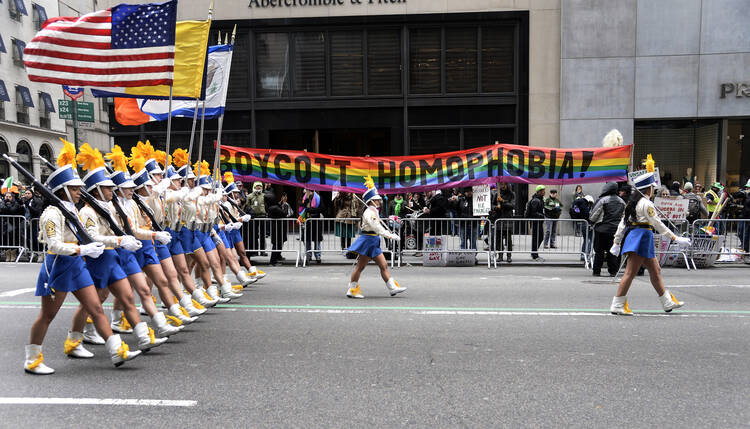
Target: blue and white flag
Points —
{"points": [[217, 84]]}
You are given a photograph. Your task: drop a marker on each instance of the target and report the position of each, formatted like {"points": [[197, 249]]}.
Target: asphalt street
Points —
{"points": [[518, 346]]}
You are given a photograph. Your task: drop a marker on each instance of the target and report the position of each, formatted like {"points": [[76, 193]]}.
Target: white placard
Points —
{"points": [[673, 208], [481, 196], [657, 176]]}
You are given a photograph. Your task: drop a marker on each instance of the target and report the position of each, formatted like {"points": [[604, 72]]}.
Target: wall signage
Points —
{"points": [[271, 4], [736, 89]]}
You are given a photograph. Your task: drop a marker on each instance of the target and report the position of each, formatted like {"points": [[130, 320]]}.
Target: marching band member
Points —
{"points": [[367, 245], [64, 270], [129, 262], [635, 237], [235, 234], [207, 211]]}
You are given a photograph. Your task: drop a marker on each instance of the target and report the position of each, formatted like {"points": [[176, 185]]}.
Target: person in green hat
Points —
{"points": [[713, 197], [535, 210]]}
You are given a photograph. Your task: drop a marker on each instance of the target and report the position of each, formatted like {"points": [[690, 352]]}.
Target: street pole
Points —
{"points": [[75, 124]]}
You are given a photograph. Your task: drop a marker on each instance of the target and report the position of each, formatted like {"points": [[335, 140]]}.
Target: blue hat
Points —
{"points": [[153, 167], [172, 174], [141, 179], [122, 179], [371, 194], [644, 181], [232, 187], [64, 176], [205, 182], [186, 170], [97, 176]]}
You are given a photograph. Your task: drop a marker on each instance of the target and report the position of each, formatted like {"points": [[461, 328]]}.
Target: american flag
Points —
{"points": [[127, 45]]}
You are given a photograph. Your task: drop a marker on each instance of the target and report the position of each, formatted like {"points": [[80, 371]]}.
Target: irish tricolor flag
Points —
{"points": [[7, 184]]}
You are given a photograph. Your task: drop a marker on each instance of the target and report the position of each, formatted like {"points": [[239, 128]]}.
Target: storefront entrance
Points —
{"points": [[738, 153]]}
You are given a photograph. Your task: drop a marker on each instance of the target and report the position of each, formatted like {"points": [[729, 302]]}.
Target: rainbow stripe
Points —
{"points": [[489, 164]]}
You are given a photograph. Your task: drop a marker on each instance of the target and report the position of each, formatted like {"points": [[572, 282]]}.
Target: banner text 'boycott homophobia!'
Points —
{"points": [[489, 164]]}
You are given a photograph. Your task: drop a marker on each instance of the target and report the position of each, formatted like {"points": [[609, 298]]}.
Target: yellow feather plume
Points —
{"points": [[137, 164], [148, 151], [650, 164], [180, 157], [161, 158], [200, 168], [369, 183], [90, 158], [118, 159], [67, 154], [229, 177]]}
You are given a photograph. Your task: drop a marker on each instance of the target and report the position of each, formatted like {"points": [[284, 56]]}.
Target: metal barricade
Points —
{"points": [[535, 237], [13, 235], [272, 235], [33, 246], [458, 236], [720, 241]]}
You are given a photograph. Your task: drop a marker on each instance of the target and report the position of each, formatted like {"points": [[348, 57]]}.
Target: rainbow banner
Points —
{"points": [[489, 164]]}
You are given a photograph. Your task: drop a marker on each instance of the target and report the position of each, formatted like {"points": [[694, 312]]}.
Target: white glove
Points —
{"points": [[237, 225], [129, 243], [163, 237], [229, 227], [395, 237], [246, 218], [162, 186], [683, 242], [92, 250], [615, 249]]}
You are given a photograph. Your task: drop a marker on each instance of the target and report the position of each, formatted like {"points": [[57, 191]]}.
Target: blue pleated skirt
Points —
{"points": [[367, 245], [66, 274], [105, 269], [641, 242]]}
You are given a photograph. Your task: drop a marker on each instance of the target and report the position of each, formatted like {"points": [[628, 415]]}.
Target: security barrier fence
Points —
{"points": [[444, 241]]}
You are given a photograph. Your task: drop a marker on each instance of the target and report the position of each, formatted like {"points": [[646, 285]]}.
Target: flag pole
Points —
{"points": [[217, 166], [203, 122], [169, 117], [192, 131]]}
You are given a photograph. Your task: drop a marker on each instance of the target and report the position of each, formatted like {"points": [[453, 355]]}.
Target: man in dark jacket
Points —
{"points": [[279, 228], [535, 210], [606, 216], [13, 227], [503, 203], [467, 229], [437, 208]]}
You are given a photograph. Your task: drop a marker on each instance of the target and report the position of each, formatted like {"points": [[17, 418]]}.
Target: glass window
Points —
{"points": [[498, 62], [272, 57], [477, 137], [46, 153], [461, 60], [238, 75], [23, 151], [4, 165], [425, 60], [347, 63], [429, 141], [384, 62], [309, 64]]}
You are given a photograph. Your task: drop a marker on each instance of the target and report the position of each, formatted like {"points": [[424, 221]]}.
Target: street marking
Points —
{"points": [[501, 311], [696, 286], [17, 292], [96, 401]]}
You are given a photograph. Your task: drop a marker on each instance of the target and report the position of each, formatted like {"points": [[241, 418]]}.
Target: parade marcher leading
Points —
{"points": [[64, 270], [367, 245], [635, 237]]}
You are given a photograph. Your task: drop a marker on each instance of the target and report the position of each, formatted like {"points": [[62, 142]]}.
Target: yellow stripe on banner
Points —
{"points": [[191, 43]]}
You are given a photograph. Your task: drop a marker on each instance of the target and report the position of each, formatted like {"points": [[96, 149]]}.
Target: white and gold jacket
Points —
{"points": [[55, 233], [645, 214], [371, 223], [97, 227]]}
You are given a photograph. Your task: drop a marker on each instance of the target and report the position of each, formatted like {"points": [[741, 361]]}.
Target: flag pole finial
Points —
{"points": [[234, 33], [211, 10]]}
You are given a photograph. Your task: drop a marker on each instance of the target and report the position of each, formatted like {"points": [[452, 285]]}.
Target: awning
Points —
{"points": [[25, 96], [48, 104], [40, 12], [3, 92], [21, 7], [20, 46], [2, 45]]}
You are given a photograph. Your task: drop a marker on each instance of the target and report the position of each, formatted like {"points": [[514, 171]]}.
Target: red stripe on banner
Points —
{"points": [[94, 18], [81, 30], [103, 84], [71, 43], [103, 72], [97, 58]]}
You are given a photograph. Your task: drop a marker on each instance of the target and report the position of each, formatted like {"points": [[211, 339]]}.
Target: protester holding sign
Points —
{"points": [[504, 202]]}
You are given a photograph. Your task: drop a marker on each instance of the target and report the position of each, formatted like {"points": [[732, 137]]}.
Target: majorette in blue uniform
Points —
{"points": [[635, 235], [367, 244], [64, 269]]}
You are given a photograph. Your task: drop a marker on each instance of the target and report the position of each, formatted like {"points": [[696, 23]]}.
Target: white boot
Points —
{"points": [[163, 329], [177, 311], [34, 363], [620, 306], [354, 291], [142, 311], [90, 335], [119, 323], [669, 302], [245, 279], [203, 298], [213, 292], [393, 287], [187, 303], [255, 272], [226, 291], [73, 346], [146, 338], [118, 350]]}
